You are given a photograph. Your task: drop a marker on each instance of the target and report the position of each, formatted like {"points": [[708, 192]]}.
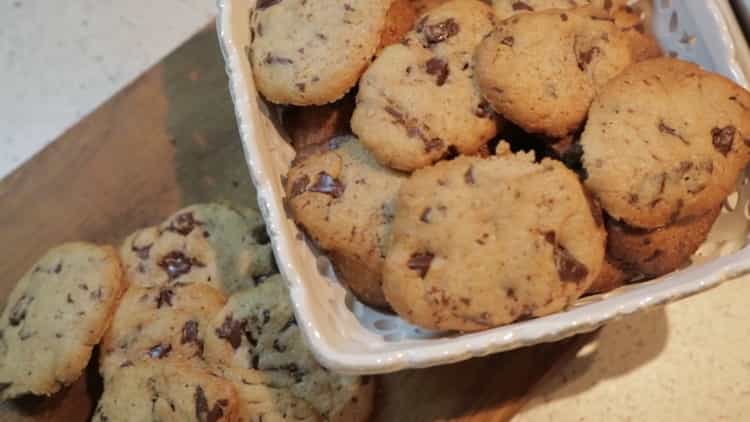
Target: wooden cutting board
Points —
{"points": [[169, 139]]}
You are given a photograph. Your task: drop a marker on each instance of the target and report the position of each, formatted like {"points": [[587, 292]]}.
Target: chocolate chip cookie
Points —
{"points": [[418, 101], [310, 52], [660, 251], [665, 141], [343, 199], [257, 330], [541, 70], [610, 277], [55, 316], [215, 244], [168, 322], [478, 243], [166, 391]]}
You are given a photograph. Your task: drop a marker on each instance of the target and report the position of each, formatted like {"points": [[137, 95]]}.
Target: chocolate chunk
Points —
{"points": [[584, 58], [260, 235], [483, 110], [141, 252], [439, 68], [289, 324], [723, 139], [190, 335], [294, 371], [231, 330], [433, 144], [564, 17], [425, 217], [126, 364], [271, 59], [664, 128], [469, 176], [278, 346], [300, 86], [96, 294], [300, 185], [165, 297], [183, 224], [438, 32], [348, 7], [328, 185], [69, 299], [509, 41], [421, 262], [265, 4], [18, 311], [519, 5], [395, 114], [176, 264], [159, 351], [266, 316], [58, 268], [568, 267], [202, 412]]}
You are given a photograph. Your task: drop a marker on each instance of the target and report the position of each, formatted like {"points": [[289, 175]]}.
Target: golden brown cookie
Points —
{"points": [[658, 252], [399, 20]]}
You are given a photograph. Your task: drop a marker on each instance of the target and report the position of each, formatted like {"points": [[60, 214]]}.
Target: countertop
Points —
{"points": [[687, 361]]}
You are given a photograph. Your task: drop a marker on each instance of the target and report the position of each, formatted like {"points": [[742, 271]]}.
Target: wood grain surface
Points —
{"points": [[167, 140]]}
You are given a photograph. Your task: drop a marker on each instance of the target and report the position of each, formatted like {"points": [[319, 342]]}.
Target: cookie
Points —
{"points": [[166, 391], [343, 199], [665, 141], [54, 317], [257, 330], [542, 70], [610, 277], [398, 21], [311, 53], [216, 244], [477, 243], [256, 401], [418, 101], [159, 323], [660, 251]]}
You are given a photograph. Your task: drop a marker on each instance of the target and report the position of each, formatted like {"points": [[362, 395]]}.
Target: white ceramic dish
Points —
{"points": [[349, 337]]}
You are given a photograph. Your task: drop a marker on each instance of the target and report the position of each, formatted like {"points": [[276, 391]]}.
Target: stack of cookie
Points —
{"points": [[494, 162], [204, 330]]}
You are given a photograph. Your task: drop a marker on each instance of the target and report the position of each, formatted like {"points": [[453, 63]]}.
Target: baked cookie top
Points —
{"points": [[168, 322], [54, 317], [257, 330], [665, 141], [542, 70], [166, 391], [343, 199], [312, 52], [418, 101], [478, 243], [222, 246]]}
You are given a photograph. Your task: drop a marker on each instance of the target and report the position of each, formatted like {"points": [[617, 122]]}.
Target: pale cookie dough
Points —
{"points": [[55, 316], [665, 141], [477, 243]]}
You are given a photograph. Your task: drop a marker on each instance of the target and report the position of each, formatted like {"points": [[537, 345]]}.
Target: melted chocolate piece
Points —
{"points": [[18, 312], [300, 185], [723, 139], [585, 58], [425, 217], [183, 224], [469, 176], [265, 4], [165, 297], [289, 324], [176, 264], [568, 267], [421, 262], [231, 330], [189, 332], [509, 41], [202, 412], [439, 68], [483, 110], [271, 59], [438, 32], [663, 128], [433, 144], [159, 351], [519, 5], [328, 185]]}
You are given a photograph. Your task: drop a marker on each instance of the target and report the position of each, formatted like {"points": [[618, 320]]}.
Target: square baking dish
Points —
{"points": [[349, 337]]}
